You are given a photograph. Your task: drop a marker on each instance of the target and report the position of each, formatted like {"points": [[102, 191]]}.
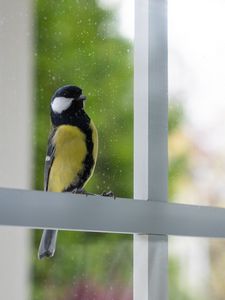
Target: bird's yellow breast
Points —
{"points": [[70, 152]]}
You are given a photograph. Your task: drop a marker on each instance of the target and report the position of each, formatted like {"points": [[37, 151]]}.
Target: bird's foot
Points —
{"points": [[78, 191], [108, 194], [82, 192]]}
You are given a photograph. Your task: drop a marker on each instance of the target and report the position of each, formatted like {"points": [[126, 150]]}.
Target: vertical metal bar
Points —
{"points": [[141, 88], [150, 142]]}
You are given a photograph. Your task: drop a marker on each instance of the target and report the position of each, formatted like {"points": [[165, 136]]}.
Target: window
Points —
{"points": [[151, 222]]}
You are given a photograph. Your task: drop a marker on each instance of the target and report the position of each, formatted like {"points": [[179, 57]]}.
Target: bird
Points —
{"points": [[71, 152]]}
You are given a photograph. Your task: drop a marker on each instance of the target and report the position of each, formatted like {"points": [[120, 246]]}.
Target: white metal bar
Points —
{"points": [[158, 142], [141, 88], [39, 209], [150, 141]]}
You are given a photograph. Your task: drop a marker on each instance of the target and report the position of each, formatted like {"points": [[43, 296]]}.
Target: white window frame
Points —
{"points": [[150, 221]]}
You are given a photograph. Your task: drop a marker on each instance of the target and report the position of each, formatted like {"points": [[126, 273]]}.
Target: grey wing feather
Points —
{"points": [[49, 237], [50, 155]]}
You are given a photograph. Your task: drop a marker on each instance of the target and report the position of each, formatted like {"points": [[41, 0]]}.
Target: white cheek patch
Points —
{"points": [[60, 104]]}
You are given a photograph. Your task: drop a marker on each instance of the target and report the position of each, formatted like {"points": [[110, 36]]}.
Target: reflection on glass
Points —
{"points": [[196, 101], [196, 268]]}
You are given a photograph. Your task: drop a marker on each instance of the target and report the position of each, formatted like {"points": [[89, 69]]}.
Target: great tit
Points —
{"points": [[71, 152]]}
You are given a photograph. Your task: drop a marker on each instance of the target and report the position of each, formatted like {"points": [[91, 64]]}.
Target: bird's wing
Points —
{"points": [[50, 155]]}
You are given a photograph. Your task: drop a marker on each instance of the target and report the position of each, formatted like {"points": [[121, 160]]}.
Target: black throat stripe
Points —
{"points": [[89, 160]]}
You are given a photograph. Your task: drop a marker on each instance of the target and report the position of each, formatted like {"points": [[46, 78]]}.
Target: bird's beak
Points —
{"points": [[82, 97]]}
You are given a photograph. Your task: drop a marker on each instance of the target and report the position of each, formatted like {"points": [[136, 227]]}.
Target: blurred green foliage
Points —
{"points": [[178, 164], [176, 171], [175, 118], [176, 291], [76, 43]]}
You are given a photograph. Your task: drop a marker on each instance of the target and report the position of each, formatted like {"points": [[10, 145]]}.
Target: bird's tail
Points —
{"points": [[48, 243]]}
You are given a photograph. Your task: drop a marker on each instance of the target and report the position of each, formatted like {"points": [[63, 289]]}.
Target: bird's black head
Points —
{"points": [[67, 99], [67, 107]]}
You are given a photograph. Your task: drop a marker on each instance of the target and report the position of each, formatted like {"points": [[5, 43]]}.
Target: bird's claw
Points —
{"points": [[108, 194], [78, 191], [82, 192]]}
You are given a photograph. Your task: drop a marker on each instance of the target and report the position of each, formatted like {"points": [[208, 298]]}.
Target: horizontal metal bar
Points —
{"points": [[38, 209]]}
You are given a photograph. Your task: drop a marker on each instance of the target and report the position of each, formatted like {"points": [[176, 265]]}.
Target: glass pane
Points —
{"points": [[85, 266], [196, 268], [196, 101], [84, 43], [44, 46]]}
